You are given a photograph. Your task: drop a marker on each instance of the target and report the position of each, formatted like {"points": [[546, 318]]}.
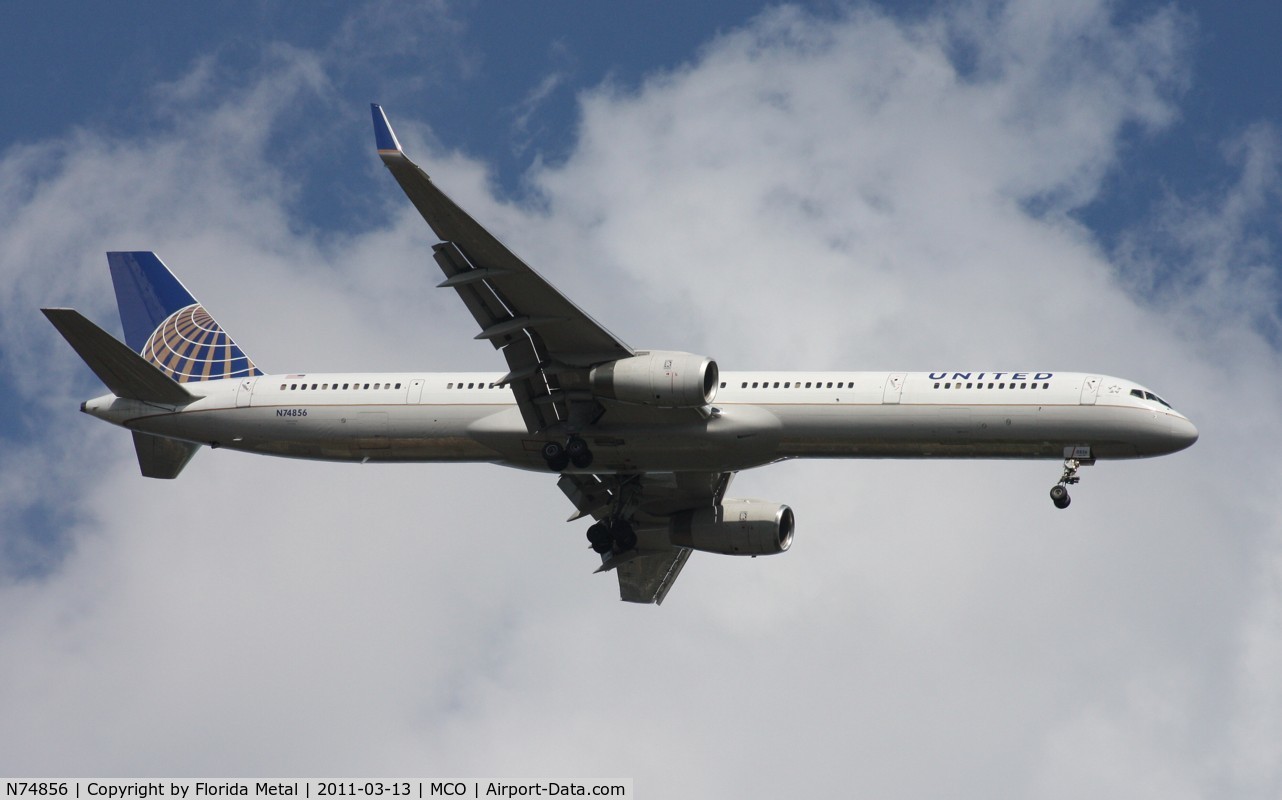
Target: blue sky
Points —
{"points": [[96, 63], [1041, 185]]}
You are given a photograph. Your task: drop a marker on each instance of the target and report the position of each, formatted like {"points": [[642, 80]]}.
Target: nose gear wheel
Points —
{"points": [[1059, 492]]}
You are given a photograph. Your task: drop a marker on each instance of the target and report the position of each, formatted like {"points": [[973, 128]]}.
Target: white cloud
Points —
{"points": [[825, 193]]}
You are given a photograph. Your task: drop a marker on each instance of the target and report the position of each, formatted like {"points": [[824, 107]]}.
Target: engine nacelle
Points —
{"points": [[735, 528], [658, 378]]}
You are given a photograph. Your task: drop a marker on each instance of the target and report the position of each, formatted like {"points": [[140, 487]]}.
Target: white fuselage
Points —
{"points": [[756, 418]]}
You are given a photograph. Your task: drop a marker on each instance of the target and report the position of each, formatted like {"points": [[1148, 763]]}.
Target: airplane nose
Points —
{"points": [[1183, 433]]}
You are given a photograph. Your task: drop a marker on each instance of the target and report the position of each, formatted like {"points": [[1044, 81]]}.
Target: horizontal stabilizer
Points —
{"points": [[124, 372], [163, 458]]}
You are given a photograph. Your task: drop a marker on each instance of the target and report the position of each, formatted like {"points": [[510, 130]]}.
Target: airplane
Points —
{"points": [[644, 442]]}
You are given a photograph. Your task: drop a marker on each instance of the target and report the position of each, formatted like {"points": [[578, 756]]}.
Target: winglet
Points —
{"points": [[384, 138]]}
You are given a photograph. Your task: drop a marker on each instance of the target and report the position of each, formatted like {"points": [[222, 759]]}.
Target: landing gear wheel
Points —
{"points": [[625, 538], [600, 537], [1059, 496], [578, 451], [1075, 458], [555, 456]]}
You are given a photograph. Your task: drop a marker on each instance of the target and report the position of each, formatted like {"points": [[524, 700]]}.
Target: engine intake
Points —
{"points": [[658, 378], [736, 528]]}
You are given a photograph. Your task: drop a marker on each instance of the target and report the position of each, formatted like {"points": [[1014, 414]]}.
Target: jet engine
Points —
{"points": [[735, 528], [658, 378]]}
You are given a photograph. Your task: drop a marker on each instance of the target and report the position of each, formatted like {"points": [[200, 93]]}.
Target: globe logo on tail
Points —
{"points": [[189, 346]]}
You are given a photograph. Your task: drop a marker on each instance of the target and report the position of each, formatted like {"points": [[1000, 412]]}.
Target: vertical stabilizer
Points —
{"points": [[168, 327]]}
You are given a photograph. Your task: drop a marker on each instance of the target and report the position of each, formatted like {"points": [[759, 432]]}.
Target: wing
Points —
{"points": [[646, 501], [550, 344]]}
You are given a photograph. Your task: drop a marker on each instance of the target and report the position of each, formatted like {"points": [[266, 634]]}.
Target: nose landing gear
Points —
{"points": [[1060, 496], [1059, 492]]}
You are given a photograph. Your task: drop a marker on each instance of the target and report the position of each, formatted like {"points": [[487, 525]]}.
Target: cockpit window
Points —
{"points": [[1143, 395]]}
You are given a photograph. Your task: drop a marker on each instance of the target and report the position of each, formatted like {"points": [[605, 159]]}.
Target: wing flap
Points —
{"points": [[645, 575], [648, 578]]}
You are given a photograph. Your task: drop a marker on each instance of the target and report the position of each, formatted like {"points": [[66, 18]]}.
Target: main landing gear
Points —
{"points": [[560, 456], [1059, 492], [612, 535]]}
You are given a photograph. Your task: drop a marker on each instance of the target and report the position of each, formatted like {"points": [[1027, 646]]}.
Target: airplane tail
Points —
{"points": [[129, 375], [168, 327]]}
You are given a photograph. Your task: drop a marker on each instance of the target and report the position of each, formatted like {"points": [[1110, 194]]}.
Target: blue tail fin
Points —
{"points": [[166, 325]]}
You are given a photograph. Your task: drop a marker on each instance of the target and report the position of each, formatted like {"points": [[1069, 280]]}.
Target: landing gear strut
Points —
{"points": [[559, 456], [1059, 492]]}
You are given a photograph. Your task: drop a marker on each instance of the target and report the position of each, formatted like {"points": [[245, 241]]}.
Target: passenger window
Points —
{"points": [[968, 386], [948, 385], [829, 384], [936, 385], [313, 386], [754, 384], [282, 387], [776, 384], [398, 386]]}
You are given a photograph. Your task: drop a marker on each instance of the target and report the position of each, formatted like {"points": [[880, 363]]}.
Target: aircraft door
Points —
{"points": [[245, 392], [1090, 390], [894, 387], [415, 394]]}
